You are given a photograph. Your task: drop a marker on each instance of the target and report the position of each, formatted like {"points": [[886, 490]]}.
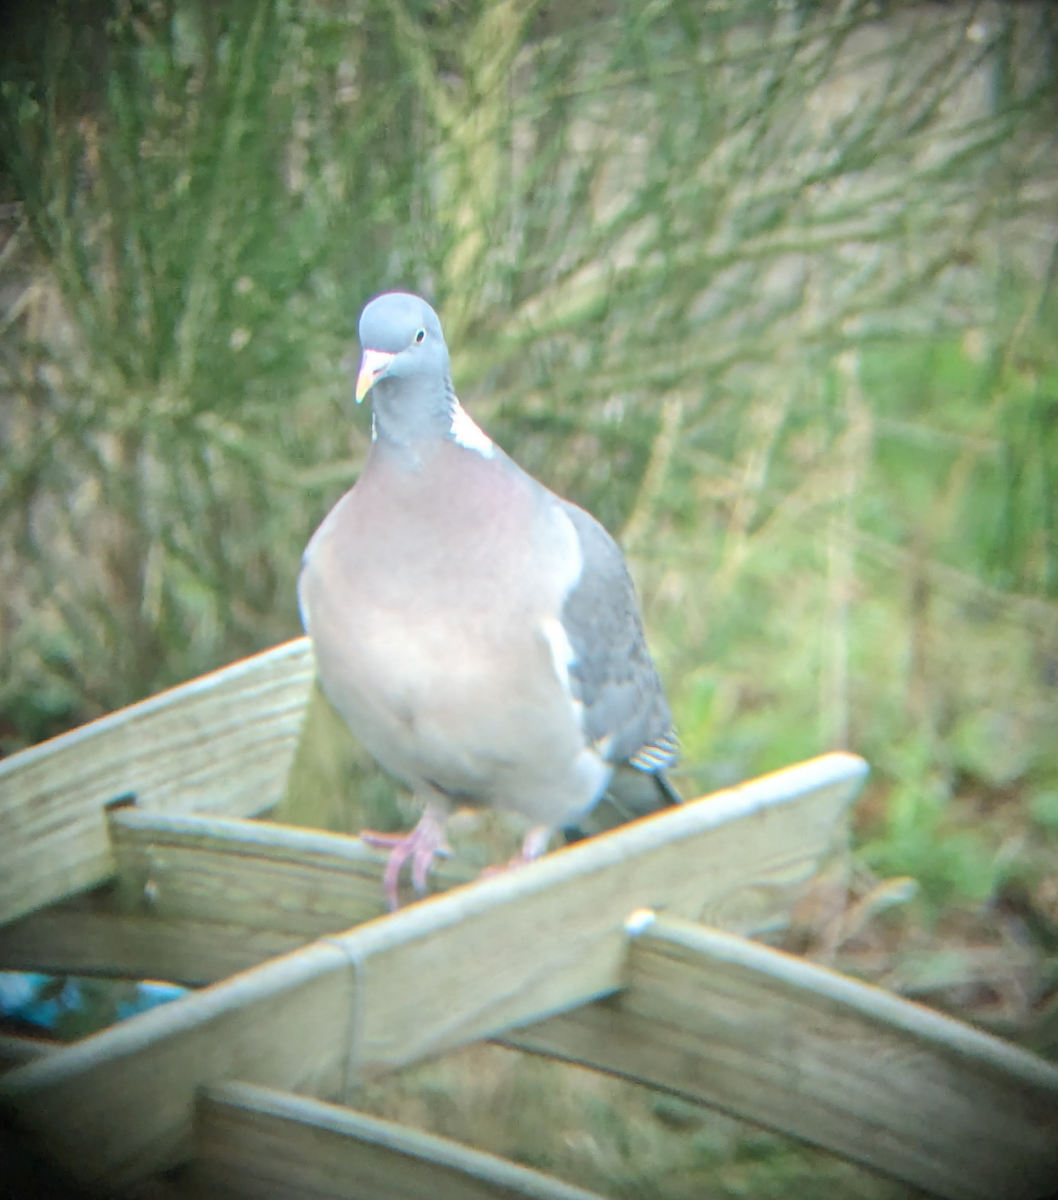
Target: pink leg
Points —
{"points": [[533, 846], [424, 842]]}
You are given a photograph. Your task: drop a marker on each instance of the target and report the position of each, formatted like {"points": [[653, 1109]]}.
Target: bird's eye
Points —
{"points": [[419, 336]]}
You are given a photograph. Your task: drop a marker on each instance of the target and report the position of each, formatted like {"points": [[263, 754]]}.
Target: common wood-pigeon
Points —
{"points": [[479, 634]]}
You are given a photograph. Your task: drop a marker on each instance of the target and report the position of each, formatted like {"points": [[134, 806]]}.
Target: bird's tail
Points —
{"points": [[631, 794]]}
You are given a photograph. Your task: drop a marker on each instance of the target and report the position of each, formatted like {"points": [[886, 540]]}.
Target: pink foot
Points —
{"points": [[534, 844], [422, 845]]}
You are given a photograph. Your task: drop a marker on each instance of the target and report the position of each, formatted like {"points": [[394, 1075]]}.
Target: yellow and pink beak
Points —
{"points": [[372, 365]]}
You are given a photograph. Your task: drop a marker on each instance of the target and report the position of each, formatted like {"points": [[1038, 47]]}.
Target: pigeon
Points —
{"points": [[478, 634]]}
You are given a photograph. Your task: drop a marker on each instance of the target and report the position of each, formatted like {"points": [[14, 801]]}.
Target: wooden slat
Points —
{"points": [[841, 1064], [16, 1051], [79, 938], [198, 898], [263, 876], [222, 743], [505, 951], [258, 1144]]}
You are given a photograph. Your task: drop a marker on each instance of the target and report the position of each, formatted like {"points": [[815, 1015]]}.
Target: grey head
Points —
{"points": [[405, 367]]}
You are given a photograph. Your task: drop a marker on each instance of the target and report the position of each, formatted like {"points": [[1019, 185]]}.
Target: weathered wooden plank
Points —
{"points": [[222, 743], [196, 899], [841, 1064], [260, 875], [16, 1051], [288, 1020], [258, 1144], [78, 939], [468, 964]]}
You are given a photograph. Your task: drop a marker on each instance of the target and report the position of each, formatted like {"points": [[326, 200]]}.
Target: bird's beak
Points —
{"points": [[372, 365]]}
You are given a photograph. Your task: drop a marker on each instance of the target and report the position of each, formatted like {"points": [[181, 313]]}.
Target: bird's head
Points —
{"points": [[404, 349]]}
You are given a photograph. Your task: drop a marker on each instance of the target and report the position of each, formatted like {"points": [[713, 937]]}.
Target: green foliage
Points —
{"points": [[1022, 547], [209, 266], [951, 865], [608, 1135], [1044, 810]]}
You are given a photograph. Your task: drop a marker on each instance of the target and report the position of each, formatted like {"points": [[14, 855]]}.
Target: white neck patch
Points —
{"points": [[468, 435]]}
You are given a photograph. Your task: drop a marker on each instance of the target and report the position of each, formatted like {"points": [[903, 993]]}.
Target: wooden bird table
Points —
{"points": [[128, 848]]}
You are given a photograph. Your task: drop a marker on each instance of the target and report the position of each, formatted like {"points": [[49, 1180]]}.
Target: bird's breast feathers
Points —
{"points": [[447, 642]]}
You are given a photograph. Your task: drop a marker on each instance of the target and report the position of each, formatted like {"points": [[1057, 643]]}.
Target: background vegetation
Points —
{"points": [[769, 287]]}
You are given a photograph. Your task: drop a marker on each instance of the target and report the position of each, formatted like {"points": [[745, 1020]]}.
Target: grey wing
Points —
{"points": [[626, 714]]}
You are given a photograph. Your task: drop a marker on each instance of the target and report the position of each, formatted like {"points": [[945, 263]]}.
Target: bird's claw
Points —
{"points": [[421, 845]]}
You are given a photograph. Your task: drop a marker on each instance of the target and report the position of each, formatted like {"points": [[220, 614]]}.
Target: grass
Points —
{"points": [[608, 1135]]}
